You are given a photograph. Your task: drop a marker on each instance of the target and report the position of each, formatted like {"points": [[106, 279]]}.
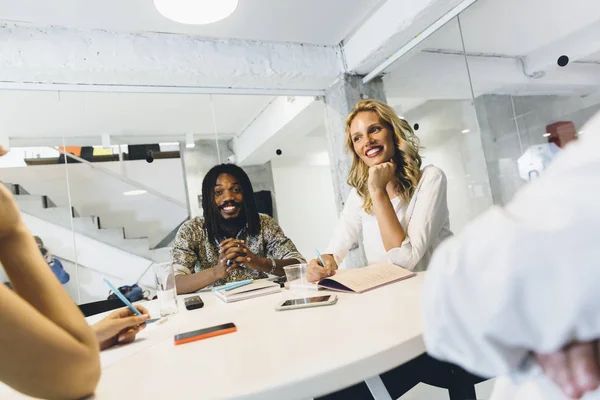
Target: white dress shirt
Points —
{"points": [[425, 220], [525, 277]]}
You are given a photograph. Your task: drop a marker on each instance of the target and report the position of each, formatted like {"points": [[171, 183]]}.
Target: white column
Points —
{"points": [[340, 98]]}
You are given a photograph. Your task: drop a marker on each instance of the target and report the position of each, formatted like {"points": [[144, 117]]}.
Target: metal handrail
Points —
{"points": [[123, 178]]}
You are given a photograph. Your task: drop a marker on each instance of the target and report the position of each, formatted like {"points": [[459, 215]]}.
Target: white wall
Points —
{"points": [[96, 193], [305, 203]]}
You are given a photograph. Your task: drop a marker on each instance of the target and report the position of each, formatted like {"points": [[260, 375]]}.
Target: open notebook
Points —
{"points": [[360, 280], [255, 289]]}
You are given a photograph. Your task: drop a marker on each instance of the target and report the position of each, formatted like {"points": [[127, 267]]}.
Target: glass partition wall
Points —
{"points": [[430, 89], [496, 93], [106, 179]]}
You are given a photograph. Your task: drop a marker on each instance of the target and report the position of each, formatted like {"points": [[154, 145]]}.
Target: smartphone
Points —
{"points": [[200, 334], [193, 302], [317, 301]]}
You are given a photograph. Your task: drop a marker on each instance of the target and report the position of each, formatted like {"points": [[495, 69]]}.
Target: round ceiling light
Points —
{"points": [[196, 12]]}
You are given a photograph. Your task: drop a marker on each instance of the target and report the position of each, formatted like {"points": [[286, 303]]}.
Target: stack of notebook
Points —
{"points": [[255, 289]]}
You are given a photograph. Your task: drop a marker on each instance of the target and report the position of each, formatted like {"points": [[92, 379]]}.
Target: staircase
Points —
{"points": [[90, 226]]}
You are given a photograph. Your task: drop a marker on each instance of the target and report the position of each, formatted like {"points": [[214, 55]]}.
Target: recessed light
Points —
{"points": [[580, 133], [196, 12], [134, 192], [466, 131], [401, 117], [546, 134]]}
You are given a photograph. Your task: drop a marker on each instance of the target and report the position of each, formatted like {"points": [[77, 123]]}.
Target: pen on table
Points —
{"points": [[233, 285], [122, 298]]}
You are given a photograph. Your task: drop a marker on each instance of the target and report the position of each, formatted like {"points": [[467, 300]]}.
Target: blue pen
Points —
{"points": [[122, 298], [320, 258], [234, 285]]}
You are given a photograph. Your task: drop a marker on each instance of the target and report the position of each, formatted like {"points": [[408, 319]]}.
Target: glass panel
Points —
{"points": [[303, 182], [126, 213], [527, 105], [127, 189], [31, 171], [430, 88]]}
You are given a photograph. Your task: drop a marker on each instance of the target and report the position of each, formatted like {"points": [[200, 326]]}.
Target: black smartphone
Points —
{"points": [[205, 333], [194, 302]]}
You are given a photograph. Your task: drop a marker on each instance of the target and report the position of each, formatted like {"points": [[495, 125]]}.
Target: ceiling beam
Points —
{"points": [[68, 59], [283, 121], [433, 76], [395, 24], [576, 46]]}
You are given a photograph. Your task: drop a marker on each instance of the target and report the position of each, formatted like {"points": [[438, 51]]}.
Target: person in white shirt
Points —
{"points": [[519, 288], [402, 212], [401, 209]]}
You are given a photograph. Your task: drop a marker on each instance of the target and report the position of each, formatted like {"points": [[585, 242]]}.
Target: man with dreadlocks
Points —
{"points": [[232, 242]]}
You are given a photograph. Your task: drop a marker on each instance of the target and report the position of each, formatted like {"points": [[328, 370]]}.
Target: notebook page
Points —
{"points": [[366, 278]]}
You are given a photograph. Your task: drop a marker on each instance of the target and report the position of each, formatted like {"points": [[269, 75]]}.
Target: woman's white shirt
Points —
{"points": [[425, 220]]}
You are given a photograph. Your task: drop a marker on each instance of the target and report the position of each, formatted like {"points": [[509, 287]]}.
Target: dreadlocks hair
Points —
{"points": [[212, 216]]}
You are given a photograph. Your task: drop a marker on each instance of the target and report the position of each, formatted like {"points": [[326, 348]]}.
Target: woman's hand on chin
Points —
{"points": [[380, 175]]}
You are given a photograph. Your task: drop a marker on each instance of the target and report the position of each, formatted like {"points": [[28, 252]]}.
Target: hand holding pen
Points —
{"points": [[322, 267]]}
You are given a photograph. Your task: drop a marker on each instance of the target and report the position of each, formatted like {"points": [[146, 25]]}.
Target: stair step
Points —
{"points": [[139, 247], [57, 215], [110, 236], [161, 255], [28, 202], [86, 223], [15, 189]]}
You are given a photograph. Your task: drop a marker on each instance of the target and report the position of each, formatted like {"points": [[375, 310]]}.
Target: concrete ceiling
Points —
{"points": [[28, 116], [515, 27], [301, 21], [496, 34]]}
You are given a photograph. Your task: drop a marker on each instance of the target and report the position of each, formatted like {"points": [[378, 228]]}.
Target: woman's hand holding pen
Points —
{"points": [[315, 271]]}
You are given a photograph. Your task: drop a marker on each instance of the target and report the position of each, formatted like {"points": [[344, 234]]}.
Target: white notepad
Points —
{"points": [[255, 289], [363, 279]]}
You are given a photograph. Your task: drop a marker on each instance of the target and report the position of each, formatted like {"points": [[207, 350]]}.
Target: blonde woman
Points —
{"points": [[400, 208]]}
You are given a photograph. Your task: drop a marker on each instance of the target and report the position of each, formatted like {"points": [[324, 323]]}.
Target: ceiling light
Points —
{"points": [[465, 131], [401, 117], [580, 133], [134, 193], [189, 140], [196, 12], [546, 134]]}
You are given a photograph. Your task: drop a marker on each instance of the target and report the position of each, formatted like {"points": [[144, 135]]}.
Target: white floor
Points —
{"points": [[426, 392]]}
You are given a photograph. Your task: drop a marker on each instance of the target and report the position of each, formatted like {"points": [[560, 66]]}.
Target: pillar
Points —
{"points": [[340, 98]]}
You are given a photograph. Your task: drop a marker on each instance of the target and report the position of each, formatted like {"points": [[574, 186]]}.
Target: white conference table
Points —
{"points": [[296, 354]]}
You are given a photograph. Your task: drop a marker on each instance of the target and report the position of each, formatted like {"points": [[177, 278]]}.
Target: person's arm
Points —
{"points": [[521, 279], [279, 247], [46, 347], [424, 224], [344, 236], [347, 230], [199, 280], [120, 326], [184, 254]]}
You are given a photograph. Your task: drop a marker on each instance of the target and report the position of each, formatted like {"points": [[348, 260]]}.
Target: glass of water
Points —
{"points": [[165, 288]]}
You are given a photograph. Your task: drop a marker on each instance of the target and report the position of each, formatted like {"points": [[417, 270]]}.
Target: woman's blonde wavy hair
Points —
{"points": [[406, 157]]}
